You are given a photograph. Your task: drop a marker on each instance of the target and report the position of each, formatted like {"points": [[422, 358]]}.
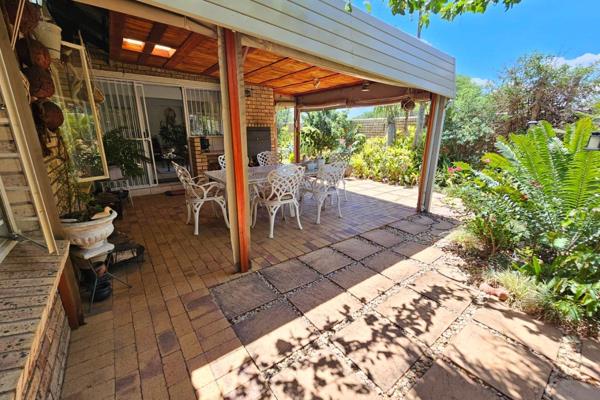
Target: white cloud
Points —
{"points": [[583, 60], [481, 81]]}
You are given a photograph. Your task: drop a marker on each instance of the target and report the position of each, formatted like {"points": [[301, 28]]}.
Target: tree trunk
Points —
{"points": [[419, 127], [391, 132]]}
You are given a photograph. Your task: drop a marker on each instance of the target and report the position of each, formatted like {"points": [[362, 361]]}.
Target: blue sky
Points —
{"points": [[483, 44]]}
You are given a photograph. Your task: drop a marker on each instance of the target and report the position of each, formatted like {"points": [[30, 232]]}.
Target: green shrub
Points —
{"points": [[393, 164], [525, 292], [542, 193]]}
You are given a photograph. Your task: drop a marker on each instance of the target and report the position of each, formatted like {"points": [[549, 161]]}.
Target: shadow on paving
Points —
{"points": [[277, 322]]}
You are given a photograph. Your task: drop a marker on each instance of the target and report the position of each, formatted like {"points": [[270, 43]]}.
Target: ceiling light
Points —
{"points": [[316, 83], [365, 86], [163, 51], [133, 45]]}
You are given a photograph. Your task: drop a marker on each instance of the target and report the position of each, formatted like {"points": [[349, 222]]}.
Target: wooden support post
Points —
{"points": [[232, 90], [69, 295], [431, 152], [297, 134]]}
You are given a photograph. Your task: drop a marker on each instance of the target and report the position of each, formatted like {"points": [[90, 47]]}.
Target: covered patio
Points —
{"points": [[366, 307]]}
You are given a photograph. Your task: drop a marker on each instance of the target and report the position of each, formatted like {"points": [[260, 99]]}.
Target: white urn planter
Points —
{"points": [[92, 234]]}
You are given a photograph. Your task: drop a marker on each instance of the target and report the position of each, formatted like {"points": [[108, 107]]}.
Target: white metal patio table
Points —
{"points": [[256, 175]]}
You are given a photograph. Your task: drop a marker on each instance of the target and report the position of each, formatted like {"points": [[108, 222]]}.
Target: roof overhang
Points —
{"points": [[354, 43]]}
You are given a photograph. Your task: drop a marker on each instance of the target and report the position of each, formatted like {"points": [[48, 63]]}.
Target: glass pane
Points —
{"points": [[120, 111], [79, 133], [204, 110]]}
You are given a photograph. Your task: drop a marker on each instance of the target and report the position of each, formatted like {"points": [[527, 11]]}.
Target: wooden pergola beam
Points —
{"points": [[264, 67], [354, 96], [289, 75], [117, 25], [190, 42], [154, 37]]}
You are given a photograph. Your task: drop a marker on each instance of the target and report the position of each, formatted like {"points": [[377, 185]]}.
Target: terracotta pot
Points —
{"points": [[31, 52], [41, 85], [32, 14], [53, 115]]}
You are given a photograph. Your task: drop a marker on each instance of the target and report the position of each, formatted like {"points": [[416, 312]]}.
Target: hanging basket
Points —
{"points": [[40, 82], [49, 34], [32, 52], [52, 115], [408, 105], [32, 14]]}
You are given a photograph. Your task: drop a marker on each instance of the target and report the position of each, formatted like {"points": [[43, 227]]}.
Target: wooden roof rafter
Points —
{"points": [[188, 45], [153, 39]]}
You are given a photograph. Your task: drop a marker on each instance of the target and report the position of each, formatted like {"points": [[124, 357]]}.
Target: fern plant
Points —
{"points": [[542, 193]]}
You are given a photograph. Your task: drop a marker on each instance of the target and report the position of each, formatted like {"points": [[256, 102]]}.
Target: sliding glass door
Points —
{"points": [[124, 109]]}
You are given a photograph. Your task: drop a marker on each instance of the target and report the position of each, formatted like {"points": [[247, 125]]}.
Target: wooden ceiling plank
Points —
{"points": [[265, 67], [117, 25], [188, 45], [290, 75], [212, 69], [154, 38]]}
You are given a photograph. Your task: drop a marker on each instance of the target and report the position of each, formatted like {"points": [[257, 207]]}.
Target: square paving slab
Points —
{"points": [[419, 252], [379, 349], [321, 376], [541, 337], [590, 358], [362, 282], [569, 389], [356, 248], [324, 304], [392, 265], [416, 314], [445, 291], [289, 275], [383, 237], [273, 333], [410, 227], [326, 260], [447, 382], [242, 295], [508, 367]]}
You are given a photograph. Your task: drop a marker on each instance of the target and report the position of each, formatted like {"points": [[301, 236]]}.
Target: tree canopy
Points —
{"points": [[446, 9]]}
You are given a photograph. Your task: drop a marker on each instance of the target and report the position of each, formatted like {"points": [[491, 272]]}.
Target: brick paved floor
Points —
{"points": [[368, 306]]}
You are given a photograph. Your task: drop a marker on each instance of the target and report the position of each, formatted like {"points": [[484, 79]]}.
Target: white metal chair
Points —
{"points": [[284, 186], [324, 185], [196, 194], [222, 161], [267, 158], [345, 158]]}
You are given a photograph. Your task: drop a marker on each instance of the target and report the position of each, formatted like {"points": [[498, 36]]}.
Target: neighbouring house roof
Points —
{"points": [[357, 42]]}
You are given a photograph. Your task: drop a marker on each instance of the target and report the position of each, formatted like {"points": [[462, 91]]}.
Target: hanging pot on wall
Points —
{"points": [[30, 18], [32, 52], [41, 85], [49, 34]]}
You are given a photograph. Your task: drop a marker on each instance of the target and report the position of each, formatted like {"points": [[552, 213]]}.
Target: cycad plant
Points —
{"points": [[541, 193]]}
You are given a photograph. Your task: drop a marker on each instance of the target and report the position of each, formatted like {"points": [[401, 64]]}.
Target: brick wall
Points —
{"points": [[100, 61], [260, 110], [375, 127], [46, 376]]}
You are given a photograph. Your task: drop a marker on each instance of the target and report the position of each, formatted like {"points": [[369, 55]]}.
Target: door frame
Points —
{"points": [[139, 80]]}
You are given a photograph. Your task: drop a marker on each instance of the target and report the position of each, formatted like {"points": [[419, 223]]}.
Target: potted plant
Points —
{"points": [[123, 154], [85, 224]]}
